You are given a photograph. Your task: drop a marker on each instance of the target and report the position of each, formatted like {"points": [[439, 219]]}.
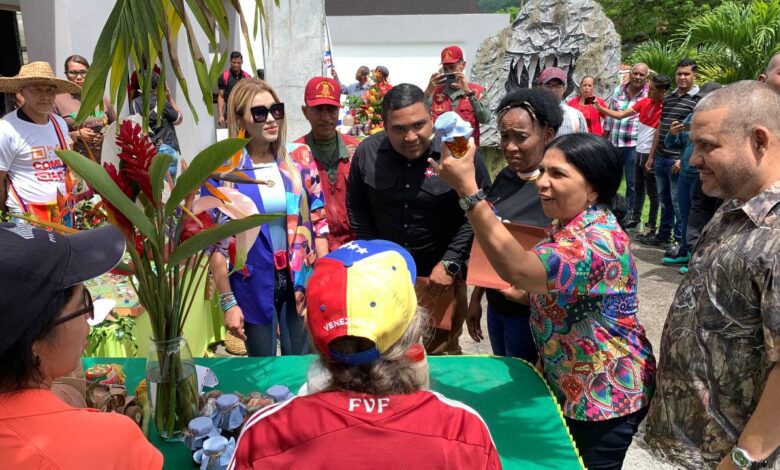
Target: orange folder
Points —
{"points": [[482, 274]]}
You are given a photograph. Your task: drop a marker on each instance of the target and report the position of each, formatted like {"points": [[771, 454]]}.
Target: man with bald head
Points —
{"points": [[718, 380], [623, 133], [772, 73]]}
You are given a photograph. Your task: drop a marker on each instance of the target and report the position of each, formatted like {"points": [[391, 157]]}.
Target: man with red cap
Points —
{"points": [[332, 151], [448, 90]]}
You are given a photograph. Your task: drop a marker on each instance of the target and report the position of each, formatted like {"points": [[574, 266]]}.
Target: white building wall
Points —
{"points": [[57, 29], [408, 45], [294, 55]]}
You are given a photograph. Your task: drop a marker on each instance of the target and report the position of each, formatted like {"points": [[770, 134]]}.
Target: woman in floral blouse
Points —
{"points": [[583, 284]]}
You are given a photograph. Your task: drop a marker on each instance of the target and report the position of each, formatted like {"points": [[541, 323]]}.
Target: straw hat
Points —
{"points": [[37, 73]]}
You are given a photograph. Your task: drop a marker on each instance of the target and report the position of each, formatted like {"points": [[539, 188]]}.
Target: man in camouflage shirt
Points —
{"points": [[717, 399]]}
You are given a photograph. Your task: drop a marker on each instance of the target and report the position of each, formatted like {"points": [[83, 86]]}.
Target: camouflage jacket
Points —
{"points": [[721, 337]]}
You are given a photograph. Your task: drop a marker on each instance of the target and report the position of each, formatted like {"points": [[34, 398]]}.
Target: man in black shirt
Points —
{"points": [[665, 162], [226, 82], [394, 194]]}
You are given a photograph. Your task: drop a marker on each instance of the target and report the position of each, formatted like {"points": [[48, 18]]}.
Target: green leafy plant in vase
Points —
{"points": [[168, 246]]}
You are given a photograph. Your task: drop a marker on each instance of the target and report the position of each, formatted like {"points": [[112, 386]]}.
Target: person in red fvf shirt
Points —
{"points": [[375, 413], [448, 90], [332, 151]]}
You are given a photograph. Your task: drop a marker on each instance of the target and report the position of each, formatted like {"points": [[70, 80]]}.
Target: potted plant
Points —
{"points": [[168, 247]]}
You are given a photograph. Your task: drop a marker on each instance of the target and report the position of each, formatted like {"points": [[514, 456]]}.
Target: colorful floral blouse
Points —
{"points": [[596, 356]]}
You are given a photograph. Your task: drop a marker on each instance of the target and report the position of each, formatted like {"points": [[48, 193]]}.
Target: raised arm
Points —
{"points": [[628, 112], [516, 265]]}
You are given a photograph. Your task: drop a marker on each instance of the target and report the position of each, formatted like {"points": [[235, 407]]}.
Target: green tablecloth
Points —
{"points": [[514, 401]]}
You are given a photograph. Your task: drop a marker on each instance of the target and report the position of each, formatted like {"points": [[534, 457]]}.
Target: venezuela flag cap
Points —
{"points": [[364, 289]]}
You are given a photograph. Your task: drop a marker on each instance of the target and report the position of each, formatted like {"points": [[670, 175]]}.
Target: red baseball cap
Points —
{"points": [[322, 90], [551, 73], [451, 55]]}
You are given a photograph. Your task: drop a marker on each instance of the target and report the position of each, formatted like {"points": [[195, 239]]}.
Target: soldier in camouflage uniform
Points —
{"points": [[717, 399]]}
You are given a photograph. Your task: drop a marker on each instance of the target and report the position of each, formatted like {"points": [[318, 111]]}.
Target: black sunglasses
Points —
{"points": [[260, 113], [88, 310]]}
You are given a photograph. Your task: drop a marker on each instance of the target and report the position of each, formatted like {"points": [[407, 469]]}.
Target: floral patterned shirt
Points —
{"points": [[596, 356]]}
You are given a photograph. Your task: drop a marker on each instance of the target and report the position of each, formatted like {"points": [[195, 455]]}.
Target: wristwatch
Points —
{"points": [[468, 202], [742, 460], [452, 267]]}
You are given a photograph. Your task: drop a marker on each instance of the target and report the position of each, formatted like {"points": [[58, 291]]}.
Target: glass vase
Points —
{"points": [[172, 386]]}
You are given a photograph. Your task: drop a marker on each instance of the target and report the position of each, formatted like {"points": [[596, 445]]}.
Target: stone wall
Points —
{"points": [[574, 35]]}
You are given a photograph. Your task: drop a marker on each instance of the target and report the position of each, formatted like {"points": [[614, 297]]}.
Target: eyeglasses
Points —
{"points": [[554, 86], [77, 73], [260, 113], [88, 310], [518, 104]]}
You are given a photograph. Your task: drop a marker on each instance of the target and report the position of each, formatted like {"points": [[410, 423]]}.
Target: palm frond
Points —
{"points": [[138, 32], [661, 57]]}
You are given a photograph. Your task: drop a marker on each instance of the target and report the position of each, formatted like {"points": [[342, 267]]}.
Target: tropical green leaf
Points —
{"points": [[95, 81], [157, 170], [199, 170], [137, 31], [97, 178], [205, 19], [661, 58], [212, 235]]}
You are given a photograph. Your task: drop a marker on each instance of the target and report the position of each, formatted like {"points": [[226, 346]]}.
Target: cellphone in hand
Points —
{"points": [[590, 100], [687, 126]]}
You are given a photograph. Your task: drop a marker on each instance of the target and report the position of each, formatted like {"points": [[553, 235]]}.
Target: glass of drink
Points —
{"points": [[458, 146]]}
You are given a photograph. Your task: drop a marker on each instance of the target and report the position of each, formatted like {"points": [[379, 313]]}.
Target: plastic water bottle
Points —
{"points": [[416, 355]]}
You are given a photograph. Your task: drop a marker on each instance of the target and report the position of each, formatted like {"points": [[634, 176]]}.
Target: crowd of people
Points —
{"points": [[388, 223]]}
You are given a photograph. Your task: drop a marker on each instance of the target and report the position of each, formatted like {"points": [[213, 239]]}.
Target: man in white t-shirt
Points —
{"points": [[31, 174]]}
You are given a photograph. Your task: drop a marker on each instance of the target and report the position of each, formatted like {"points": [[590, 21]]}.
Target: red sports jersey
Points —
{"points": [[341, 430], [649, 111], [649, 116]]}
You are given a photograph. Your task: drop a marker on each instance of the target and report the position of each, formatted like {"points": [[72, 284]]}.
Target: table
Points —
{"points": [[524, 419], [204, 325]]}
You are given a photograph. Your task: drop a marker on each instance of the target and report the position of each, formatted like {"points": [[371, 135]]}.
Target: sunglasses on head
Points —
{"points": [[88, 310], [260, 113]]}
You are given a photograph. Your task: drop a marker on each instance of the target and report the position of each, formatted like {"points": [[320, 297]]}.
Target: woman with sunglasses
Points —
{"points": [[582, 281], [44, 308], [527, 121], [269, 292], [88, 136]]}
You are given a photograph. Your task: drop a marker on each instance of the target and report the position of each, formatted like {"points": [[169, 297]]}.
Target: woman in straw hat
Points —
{"points": [[29, 137]]}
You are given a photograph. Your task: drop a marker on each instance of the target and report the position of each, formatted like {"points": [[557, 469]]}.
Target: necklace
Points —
{"points": [[530, 176]]}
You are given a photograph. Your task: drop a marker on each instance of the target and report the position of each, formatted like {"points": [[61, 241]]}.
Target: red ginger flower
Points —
{"points": [[136, 155], [126, 186], [191, 227]]}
